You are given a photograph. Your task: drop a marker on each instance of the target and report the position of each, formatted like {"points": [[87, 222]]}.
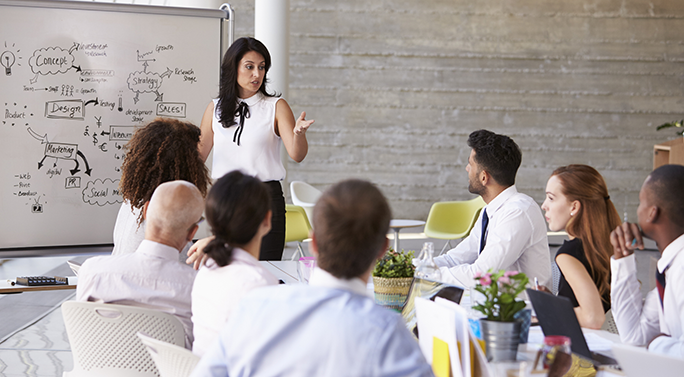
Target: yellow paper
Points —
{"points": [[441, 365]]}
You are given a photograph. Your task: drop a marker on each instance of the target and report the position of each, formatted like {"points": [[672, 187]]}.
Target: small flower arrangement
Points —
{"points": [[500, 290], [395, 265]]}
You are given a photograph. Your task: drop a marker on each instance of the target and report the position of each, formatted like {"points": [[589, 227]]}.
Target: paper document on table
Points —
{"points": [[437, 321], [597, 343]]}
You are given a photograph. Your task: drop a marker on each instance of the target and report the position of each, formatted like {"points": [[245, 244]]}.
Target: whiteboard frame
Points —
{"points": [[227, 30]]}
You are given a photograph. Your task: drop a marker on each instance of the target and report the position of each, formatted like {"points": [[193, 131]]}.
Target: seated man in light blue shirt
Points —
{"points": [[331, 327]]}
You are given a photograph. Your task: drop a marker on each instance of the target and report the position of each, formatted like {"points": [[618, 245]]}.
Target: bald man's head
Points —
{"points": [[172, 211]]}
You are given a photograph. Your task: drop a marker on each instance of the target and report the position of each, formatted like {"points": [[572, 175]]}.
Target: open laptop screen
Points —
{"points": [[556, 316]]}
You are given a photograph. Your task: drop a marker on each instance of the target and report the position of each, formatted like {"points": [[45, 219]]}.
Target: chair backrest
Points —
{"points": [[103, 338], [297, 225], [170, 359], [304, 195], [452, 220]]}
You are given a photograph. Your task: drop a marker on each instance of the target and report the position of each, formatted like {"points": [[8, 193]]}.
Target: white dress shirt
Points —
{"points": [[516, 240], [151, 277], [127, 233], [217, 291], [638, 322], [328, 328]]}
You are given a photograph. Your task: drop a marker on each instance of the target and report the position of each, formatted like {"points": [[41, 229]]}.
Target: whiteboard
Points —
{"points": [[76, 80]]}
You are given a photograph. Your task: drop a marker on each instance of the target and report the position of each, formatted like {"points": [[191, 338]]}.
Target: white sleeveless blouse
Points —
{"points": [[258, 154]]}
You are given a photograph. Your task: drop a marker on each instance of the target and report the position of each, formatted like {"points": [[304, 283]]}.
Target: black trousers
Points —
{"points": [[273, 243]]}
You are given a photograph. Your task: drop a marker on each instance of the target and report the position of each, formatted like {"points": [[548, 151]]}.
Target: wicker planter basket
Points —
{"points": [[391, 292]]}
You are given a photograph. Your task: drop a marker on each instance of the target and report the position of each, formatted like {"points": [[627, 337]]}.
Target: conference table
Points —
{"points": [[286, 271], [283, 270]]}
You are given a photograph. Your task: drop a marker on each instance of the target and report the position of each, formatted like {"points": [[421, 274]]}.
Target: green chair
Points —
{"points": [[452, 220], [297, 227]]}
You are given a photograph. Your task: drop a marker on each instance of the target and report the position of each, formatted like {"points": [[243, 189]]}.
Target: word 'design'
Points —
{"points": [[61, 150], [171, 109], [65, 109], [121, 133]]}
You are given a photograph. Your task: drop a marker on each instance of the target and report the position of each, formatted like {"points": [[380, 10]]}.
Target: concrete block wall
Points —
{"points": [[396, 86]]}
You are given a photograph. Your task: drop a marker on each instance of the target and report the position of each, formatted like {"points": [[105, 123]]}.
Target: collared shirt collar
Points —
{"points": [[322, 278], [670, 253], [239, 255], [251, 101], [156, 249], [244, 257], [500, 199]]}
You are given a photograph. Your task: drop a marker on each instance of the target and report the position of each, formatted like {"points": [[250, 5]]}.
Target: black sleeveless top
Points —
{"points": [[574, 249]]}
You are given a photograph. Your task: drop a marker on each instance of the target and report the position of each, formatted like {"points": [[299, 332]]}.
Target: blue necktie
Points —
{"points": [[483, 238]]}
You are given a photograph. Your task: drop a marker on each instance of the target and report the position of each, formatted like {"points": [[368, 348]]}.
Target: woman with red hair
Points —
{"points": [[577, 201]]}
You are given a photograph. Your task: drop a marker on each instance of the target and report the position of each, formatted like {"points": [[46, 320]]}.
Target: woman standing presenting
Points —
{"points": [[577, 201], [246, 125]]}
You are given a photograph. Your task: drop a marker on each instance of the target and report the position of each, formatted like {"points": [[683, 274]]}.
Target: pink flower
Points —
{"points": [[504, 280], [486, 280], [477, 275], [510, 273]]}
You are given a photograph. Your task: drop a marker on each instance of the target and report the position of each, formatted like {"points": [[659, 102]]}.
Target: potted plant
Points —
{"points": [[392, 279], [500, 330]]}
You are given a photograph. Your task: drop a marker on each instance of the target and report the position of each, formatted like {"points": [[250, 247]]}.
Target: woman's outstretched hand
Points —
{"points": [[302, 124]]}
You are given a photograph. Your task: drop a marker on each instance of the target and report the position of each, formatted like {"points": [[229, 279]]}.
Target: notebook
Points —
{"points": [[637, 362], [556, 316], [427, 289]]}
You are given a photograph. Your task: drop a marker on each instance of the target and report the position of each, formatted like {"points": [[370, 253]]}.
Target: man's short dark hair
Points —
{"points": [[666, 184], [498, 155], [350, 225]]}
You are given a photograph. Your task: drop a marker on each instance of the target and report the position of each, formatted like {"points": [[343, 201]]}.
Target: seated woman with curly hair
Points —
{"points": [[164, 150]]}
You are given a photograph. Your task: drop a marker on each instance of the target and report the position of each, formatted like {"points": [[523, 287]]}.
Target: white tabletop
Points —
{"points": [[283, 270]]}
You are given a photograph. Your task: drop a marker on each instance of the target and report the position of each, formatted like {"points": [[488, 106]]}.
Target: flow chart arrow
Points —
{"points": [[74, 47], [43, 139], [91, 101]]}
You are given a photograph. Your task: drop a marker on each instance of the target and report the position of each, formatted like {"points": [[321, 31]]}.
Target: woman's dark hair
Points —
{"points": [[164, 150], [236, 206], [228, 86]]}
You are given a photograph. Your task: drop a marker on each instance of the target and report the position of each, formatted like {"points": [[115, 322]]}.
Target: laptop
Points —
{"points": [[427, 289], [556, 316], [637, 362]]}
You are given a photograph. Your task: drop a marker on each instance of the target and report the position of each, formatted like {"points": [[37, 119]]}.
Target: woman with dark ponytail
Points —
{"points": [[238, 212], [577, 201]]}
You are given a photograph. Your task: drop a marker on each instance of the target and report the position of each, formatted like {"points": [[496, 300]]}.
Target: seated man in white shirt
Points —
{"points": [[658, 321], [510, 232], [330, 327], [152, 277]]}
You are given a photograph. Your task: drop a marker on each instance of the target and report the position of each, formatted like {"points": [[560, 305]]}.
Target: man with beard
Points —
{"points": [[510, 232]]}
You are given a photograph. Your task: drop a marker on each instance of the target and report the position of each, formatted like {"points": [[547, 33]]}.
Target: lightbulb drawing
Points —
{"points": [[7, 60]]}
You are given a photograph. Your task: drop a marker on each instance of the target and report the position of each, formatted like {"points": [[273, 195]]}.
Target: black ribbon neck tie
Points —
{"points": [[483, 237], [242, 112], [660, 284]]}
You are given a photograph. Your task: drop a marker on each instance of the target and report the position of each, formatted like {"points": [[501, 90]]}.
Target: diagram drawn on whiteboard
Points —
{"points": [[147, 82], [52, 61]]}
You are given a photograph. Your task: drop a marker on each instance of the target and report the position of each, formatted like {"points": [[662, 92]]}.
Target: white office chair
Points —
{"points": [[305, 196], [170, 359], [103, 338]]}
